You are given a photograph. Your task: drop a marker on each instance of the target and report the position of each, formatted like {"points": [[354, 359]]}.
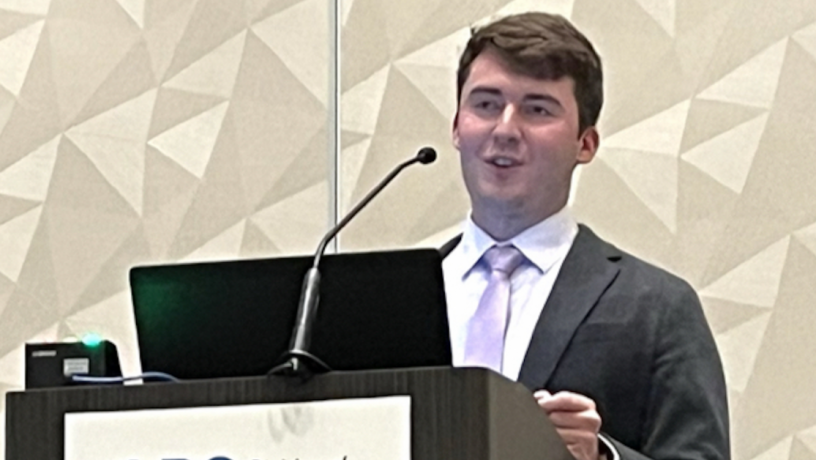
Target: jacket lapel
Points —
{"points": [[450, 245], [588, 270]]}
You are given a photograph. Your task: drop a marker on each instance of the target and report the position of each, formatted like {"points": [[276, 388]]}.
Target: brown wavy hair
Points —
{"points": [[542, 46]]}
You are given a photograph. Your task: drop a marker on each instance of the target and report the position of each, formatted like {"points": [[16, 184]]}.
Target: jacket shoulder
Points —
{"points": [[631, 266]]}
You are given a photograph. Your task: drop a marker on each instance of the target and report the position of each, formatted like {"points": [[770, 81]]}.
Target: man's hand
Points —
{"points": [[576, 420]]}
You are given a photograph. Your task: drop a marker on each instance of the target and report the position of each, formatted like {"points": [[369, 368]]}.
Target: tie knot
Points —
{"points": [[503, 258]]}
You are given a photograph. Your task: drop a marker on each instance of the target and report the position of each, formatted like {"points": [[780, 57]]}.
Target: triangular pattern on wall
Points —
{"points": [[753, 83], [136, 131]]}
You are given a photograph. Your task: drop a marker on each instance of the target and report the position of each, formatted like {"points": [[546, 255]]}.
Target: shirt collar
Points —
{"points": [[542, 244]]}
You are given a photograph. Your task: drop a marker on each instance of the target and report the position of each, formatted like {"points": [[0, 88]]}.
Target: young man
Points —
{"points": [[616, 351]]}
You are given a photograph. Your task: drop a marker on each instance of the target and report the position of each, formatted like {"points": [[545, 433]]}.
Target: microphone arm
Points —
{"points": [[298, 360]]}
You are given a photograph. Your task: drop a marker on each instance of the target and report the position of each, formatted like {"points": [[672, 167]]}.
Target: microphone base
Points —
{"points": [[299, 363]]}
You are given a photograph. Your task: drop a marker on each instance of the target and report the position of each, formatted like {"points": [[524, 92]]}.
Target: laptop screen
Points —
{"points": [[377, 310]]}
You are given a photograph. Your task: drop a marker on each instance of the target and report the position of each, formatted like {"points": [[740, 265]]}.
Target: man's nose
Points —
{"points": [[507, 127]]}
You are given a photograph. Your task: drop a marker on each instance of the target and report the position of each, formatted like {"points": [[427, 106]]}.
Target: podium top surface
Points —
{"points": [[456, 413]]}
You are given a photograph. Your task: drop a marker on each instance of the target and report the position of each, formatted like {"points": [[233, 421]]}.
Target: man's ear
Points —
{"points": [[589, 141], [455, 130]]}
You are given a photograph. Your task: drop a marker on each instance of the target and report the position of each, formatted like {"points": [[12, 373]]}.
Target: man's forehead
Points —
{"points": [[490, 66], [519, 87]]}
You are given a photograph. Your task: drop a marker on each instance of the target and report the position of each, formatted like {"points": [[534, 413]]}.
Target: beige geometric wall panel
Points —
{"points": [[706, 166], [150, 131]]}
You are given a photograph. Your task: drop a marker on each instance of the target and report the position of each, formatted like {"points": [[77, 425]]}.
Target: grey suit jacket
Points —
{"points": [[633, 338]]}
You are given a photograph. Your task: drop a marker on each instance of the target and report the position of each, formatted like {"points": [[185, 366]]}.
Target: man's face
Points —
{"points": [[518, 140]]}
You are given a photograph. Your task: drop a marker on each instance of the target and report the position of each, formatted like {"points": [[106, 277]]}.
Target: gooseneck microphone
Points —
{"points": [[298, 361]]}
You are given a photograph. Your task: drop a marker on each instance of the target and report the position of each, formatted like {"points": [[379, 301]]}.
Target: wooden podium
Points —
{"points": [[456, 414]]}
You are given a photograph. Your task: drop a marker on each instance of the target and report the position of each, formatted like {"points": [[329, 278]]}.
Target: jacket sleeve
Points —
{"points": [[687, 413]]}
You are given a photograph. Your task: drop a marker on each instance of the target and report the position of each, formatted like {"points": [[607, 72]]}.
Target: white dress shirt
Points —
{"points": [[544, 245]]}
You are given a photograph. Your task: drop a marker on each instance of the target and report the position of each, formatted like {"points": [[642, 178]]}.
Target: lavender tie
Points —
{"points": [[484, 345]]}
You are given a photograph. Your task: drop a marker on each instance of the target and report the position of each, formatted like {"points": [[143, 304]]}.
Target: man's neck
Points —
{"points": [[505, 224]]}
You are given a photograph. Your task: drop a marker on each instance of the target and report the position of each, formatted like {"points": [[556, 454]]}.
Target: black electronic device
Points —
{"points": [[53, 364], [378, 310]]}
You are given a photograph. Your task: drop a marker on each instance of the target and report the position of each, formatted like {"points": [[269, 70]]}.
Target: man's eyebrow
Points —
{"points": [[486, 90], [535, 97]]}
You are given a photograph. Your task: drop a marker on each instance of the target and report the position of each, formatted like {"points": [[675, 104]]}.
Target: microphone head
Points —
{"points": [[426, 155]]}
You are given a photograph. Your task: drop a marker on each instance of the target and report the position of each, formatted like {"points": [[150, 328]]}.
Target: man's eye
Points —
{"points": [[486, 105], [537, 110]]}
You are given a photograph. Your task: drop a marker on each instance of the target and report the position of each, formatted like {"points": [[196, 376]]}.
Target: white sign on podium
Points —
{"points": [[350, 429]]}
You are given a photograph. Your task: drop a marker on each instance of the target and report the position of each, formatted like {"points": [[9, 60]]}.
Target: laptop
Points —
{"points": [[377, 310]]}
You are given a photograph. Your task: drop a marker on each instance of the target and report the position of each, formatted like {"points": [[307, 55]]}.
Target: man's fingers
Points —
{"points": [[575, 419], [576, 437], [542, 395], [566, 401], [588, 420]]}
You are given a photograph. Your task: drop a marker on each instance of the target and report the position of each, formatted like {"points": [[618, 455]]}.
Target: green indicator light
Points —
{"points": [[91, 340]]}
